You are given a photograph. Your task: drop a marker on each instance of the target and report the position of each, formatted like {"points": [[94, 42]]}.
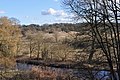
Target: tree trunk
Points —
{"points": [[92, 50]]}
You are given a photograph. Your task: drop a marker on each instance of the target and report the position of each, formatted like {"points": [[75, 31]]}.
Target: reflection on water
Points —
{"points": [[21, 66], [103, 75]]}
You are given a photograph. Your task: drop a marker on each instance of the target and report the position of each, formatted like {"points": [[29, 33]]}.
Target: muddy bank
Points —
{"points": [[65, 64], [49, 63]]}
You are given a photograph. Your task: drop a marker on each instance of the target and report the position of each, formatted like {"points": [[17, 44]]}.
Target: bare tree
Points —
{"points": [[31, 44], [103, 17], [39, 42]]}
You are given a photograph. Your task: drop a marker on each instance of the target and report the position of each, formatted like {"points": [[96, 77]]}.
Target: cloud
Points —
{"points": [[50, 11], [63, 19], [2, 12], [54, 12], [60, 15]]}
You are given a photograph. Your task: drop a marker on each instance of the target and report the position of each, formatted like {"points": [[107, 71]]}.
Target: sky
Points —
{"points": [[35, 11]]}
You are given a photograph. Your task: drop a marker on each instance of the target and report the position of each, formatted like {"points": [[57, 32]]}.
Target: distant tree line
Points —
{"points": [[57, 26]]}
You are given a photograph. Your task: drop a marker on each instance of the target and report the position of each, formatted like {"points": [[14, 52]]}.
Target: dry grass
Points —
{"points": [[47, 73]]}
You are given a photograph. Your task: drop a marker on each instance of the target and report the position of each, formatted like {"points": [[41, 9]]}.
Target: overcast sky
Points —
{"points": [[34, 11]]}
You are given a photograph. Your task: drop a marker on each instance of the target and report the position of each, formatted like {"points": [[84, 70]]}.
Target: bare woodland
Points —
{"points": [[88, 47]]}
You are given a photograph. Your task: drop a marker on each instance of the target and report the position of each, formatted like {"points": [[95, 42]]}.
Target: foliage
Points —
{"points": [[9, 39]]}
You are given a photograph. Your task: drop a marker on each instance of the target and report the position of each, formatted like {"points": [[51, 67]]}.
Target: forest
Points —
{"points": [[63, 45]]}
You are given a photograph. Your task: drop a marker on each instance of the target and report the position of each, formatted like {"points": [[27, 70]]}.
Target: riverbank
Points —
{"points": [[49, 63], [65, 64]]}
